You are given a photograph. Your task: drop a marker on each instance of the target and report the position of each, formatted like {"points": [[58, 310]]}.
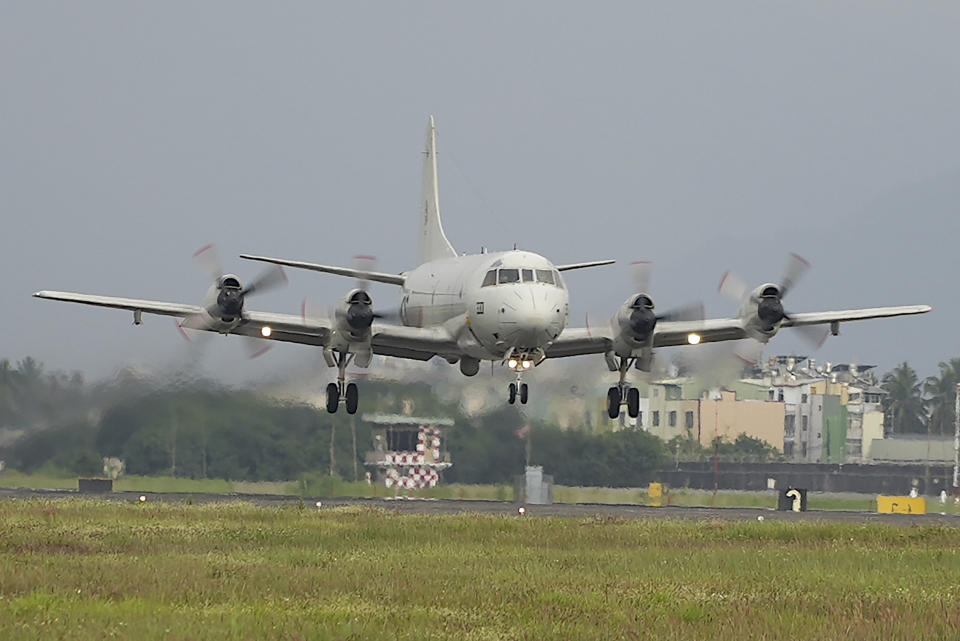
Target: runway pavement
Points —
{"points": [[449, 506]]}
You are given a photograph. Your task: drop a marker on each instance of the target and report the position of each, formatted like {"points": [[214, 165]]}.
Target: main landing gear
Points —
{"points": [[623, 394], [342, 392]]}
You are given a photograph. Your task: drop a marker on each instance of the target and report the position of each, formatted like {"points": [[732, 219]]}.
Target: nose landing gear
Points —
{"points": [[518, 365], [518, 389]]}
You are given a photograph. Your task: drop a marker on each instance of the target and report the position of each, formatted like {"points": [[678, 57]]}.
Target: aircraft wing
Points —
{"points": [[362, 274], [816, 318], [131, 304], [576, 341], [389, 340]]}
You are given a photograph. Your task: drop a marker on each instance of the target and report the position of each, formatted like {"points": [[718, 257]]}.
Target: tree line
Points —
{"points": [[926, 406], [56, 422]]}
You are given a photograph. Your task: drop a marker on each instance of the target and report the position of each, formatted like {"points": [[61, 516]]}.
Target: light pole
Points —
{"points": [[956, 446]]}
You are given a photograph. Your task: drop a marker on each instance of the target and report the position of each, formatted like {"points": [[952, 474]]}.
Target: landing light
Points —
{"points": [[512, 363], [693, 339], [265, 331], [527, 364]]}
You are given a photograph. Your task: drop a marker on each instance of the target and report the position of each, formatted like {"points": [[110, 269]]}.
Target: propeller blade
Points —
{"points": [[256, 347], [689, 312], [311, 310], [640, 273], [390, 316], [364, 263], [733, 287], [270, 278], [796, 267], [814, 335], [207, 258]]}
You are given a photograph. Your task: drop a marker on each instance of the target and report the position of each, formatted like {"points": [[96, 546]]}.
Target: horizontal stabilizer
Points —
{"points": [[592, 263], [379, 277]]}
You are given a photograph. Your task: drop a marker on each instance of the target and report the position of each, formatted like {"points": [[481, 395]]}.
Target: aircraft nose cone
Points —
{"points": [[532, 316]]}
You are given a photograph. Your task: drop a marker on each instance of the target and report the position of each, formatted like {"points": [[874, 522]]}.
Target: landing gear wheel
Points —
{"points": [[353, 398], [633, 402], [512, 397], [524, 394], [613, 402], [333, 398]]}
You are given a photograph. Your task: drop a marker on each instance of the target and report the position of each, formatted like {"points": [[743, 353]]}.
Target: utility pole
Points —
{"points": [[353, 432], [333, 432], [956, 446]]}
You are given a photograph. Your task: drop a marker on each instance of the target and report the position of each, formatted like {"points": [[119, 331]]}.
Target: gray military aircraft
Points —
{"points": [[510, 307]]}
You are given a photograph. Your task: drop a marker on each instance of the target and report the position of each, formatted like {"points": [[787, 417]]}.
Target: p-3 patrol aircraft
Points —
{"points": [[510, 307]]}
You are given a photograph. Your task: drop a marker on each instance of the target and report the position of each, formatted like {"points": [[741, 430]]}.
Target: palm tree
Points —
{"points": [[941, 397], [903, 405]]}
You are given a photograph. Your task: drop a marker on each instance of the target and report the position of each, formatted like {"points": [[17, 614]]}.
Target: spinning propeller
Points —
{"points": [[225, 299]]}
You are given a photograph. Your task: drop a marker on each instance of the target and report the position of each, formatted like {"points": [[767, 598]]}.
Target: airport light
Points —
{"points": [[143, 499], [693, 339], [265, 331], [522, 511], [319, 505]]}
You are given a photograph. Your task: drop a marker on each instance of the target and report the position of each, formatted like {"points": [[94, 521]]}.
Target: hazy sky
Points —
{"points": [[702, 136]]}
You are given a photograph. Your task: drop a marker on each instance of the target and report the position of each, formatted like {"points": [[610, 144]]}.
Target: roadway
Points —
{"points": [[449, 506]]}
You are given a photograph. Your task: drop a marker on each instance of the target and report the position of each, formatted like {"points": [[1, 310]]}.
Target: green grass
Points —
{"points": [[81, 570]]}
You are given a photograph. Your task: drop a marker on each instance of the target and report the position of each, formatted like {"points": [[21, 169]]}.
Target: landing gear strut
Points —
{"points": [[623, 393], [341, 391]]}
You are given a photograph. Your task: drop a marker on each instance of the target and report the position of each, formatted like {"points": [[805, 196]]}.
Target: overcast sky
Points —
{"points": [[702, 136]]}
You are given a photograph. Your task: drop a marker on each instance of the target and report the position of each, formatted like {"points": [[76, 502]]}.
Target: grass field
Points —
{"points": [[90, 570]]}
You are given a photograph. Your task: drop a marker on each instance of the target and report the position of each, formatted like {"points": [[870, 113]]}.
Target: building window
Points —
{"points": [[673, 419], [788, 449], [640, 419], [789, 423], [656, 392], [656, 418], [803, 450], [803, 422], [803, 398], [780, 395], [688, 420], [773, 394]]}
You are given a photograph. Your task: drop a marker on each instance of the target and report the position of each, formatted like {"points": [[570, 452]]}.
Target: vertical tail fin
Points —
{"points": [[433, 242]]}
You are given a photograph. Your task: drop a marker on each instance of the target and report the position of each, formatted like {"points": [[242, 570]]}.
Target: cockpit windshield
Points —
{"points": [[505, 276], [508, 276]]}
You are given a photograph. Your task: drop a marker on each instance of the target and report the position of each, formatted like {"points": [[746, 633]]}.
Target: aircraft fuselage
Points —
{"points": [[507, 302]]}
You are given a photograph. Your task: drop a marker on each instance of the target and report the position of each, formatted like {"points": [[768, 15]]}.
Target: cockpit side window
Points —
{"points": [[545, 276], [509, 276], [527, 275], [490, 278], [556, 277]]}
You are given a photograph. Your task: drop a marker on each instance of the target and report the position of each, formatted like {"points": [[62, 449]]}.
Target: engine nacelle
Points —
{"points": [[634, 324], [223, 303], [763, 311], [355, 315]]}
